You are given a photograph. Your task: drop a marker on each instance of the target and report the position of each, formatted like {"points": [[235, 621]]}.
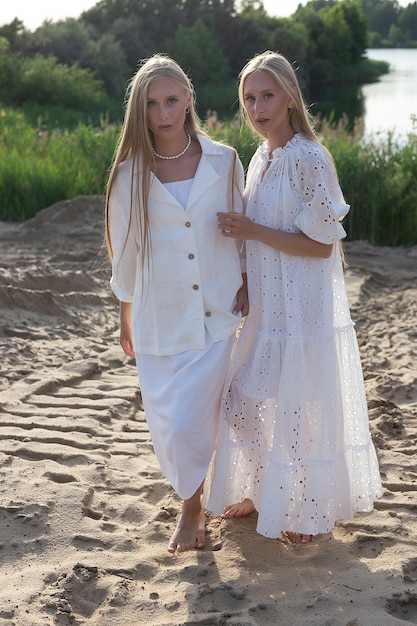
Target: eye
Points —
{"points": [[172, 100], [151, 104], [268, 95], [249, 98]]}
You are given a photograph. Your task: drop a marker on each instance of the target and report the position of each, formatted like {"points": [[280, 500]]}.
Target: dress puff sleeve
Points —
{"points": [[122, 234], [323, 204]]}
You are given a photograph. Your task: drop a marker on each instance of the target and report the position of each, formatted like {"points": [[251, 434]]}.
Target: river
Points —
{"points": [[385, 106], [390, 103]]}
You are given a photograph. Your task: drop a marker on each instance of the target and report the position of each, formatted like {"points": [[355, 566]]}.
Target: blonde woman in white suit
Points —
{"points": [[181, 285]]}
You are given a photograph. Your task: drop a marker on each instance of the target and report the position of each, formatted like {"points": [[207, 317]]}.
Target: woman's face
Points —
{"points": [[166, 105], [266, 104]]}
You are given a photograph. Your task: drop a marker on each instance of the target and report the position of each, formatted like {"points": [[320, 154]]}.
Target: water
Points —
{"points": [[390, 103], [385, 106]]}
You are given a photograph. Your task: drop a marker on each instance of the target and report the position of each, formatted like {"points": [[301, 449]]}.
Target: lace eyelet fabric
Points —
{"points": [[294, 433]]}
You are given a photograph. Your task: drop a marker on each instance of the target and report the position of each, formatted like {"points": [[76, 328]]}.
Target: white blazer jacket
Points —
{"points": [[194, 272]]}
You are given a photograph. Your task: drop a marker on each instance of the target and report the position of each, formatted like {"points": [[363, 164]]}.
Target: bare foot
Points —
{"points": [[240, 509], [298, 537], [190, 532]]}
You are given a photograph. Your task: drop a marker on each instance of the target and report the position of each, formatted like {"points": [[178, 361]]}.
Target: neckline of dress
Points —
{"points": [[178, 182], [281, 149]]}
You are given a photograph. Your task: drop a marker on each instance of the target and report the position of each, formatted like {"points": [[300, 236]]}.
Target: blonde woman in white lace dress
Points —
{"points": [[294, 441]]}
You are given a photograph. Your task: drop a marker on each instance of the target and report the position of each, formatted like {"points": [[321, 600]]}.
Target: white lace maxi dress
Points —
{"points": [[181, 395], [294, 434]]}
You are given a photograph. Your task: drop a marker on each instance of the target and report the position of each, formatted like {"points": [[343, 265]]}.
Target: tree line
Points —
{"points": [[86, 62], [391, 25]]}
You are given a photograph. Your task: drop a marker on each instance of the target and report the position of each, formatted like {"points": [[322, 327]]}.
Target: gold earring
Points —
{"points": [[291, 104]]}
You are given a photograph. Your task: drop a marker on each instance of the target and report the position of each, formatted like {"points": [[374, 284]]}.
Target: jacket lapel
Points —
{"points": [[159, 195], [205, 177]]}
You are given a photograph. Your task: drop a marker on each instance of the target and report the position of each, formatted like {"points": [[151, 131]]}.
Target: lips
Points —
{"points": [[165, 127], [262, 120]]}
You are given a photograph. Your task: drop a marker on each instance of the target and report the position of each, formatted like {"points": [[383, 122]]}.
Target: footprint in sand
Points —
{"points": [[27, 522], [403, 606], [410, 571]]}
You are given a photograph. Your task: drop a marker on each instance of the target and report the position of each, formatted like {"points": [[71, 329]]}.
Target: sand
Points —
{"points": [[85, 514]]}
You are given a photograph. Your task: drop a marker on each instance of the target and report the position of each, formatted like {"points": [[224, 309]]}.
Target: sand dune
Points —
{"points": [[85, 514]]}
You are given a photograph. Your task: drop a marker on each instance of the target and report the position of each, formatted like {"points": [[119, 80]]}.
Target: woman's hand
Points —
{"points": [[237, 226], [125, 338], [242, 300]]}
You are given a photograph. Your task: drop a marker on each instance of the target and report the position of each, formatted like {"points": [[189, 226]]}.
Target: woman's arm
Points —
{"points": [[238, 226]]}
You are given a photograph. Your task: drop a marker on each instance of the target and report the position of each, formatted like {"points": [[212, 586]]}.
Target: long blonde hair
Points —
{"points": [[299, 117], [284, 74], [135, 141]]}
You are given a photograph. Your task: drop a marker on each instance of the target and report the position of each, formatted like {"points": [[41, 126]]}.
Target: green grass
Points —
{"points": [[41, 163], [379, 180]]}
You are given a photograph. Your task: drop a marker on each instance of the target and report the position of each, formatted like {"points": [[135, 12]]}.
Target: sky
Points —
{"points": [[32, 14]]}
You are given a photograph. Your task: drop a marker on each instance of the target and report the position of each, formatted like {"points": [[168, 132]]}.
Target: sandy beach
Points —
{"points": [[85, 514]]}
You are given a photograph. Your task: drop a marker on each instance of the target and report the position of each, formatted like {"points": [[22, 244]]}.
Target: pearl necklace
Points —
{"points": [[176, 156]]}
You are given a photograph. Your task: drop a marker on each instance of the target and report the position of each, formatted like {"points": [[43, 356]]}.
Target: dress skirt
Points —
{"points": [[181, 396], [293, 435]]}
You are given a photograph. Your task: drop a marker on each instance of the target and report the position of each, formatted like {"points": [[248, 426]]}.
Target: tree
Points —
{"points": [[4, 65], [208, 37], [134, 39], [66, 40], [290, 38], [106, 58], [13, 32], [45, 81], [196, 50], [255, 33], [312, 21], [159, 18], [335, 39], [337, 36], [381, 14], [200, 56], [10, 72], [356, 21], [407, 21], [394, 35]]}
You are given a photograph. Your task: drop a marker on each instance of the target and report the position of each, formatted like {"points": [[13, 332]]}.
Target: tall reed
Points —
{"points": [[40, 166], [378, 174]]}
